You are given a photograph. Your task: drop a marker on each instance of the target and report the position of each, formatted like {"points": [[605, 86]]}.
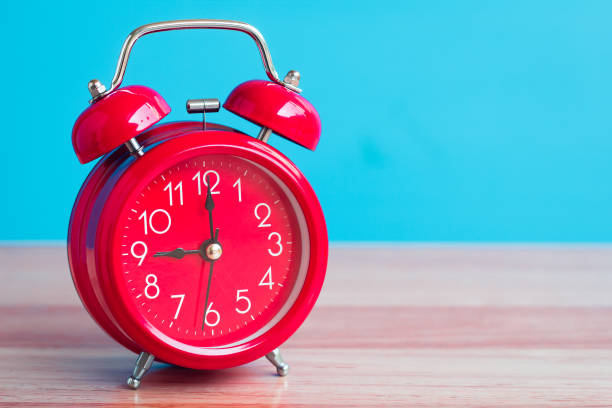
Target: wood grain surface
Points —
{"points": [[395, 326]]}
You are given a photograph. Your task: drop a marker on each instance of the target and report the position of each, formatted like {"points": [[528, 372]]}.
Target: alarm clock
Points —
{"points": [[193, 243]]}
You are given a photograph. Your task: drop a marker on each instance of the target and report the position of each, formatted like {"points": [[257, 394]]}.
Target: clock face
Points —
{"points": [[213, 251]]}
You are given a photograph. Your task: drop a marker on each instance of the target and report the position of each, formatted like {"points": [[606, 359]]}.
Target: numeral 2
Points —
{"points": [[267, 211]]}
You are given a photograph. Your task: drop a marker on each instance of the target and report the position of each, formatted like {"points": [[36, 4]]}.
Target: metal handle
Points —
{"points": [[193, 24]]}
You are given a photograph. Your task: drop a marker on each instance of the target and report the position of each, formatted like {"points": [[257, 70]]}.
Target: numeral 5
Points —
{"points": [[246, 299]]}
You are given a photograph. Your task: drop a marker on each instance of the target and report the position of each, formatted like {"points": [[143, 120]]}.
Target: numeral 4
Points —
{"points": [[267, 279]]}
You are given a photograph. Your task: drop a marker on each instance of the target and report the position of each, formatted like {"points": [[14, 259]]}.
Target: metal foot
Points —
{"points": [[143, 363], [282, 368]]}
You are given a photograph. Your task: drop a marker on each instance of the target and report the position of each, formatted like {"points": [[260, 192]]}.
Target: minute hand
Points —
{"points": [[210, 274], [210, 206]]}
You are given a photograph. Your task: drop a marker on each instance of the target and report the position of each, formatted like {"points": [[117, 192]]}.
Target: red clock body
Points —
{"points": [[141, 228]]}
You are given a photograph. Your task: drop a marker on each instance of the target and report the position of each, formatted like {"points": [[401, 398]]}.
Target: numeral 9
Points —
{"points": [[142, 254]]}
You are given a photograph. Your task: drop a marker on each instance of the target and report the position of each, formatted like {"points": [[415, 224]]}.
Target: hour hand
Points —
{"points": [[178, 253]]}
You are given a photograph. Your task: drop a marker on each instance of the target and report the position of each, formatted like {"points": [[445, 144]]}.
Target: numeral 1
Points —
{"points": [[197, 180], [237, 184]]}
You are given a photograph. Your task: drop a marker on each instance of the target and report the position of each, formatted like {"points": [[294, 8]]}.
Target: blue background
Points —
{"points": [[442, 121]]}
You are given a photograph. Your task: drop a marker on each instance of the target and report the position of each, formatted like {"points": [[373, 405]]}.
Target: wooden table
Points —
{"points": [[395, 326]]}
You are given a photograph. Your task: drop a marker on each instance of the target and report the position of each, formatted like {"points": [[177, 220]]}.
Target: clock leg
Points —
{"points": [[276, 359], [143, 363]]}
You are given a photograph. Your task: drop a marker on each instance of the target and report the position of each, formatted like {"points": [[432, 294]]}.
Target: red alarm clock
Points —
{"points": [[190, 242]]}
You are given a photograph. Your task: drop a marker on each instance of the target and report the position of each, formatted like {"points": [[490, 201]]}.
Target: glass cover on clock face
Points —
{"points": [[213, 251]]}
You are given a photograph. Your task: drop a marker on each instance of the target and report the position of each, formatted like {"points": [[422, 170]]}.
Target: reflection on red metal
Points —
{"points": [[273, 106]]}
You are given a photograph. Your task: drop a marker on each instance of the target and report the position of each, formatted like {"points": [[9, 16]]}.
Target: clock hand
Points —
{"points": [[177, 253], [209, 205], [210, 273], [195, 315]]}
